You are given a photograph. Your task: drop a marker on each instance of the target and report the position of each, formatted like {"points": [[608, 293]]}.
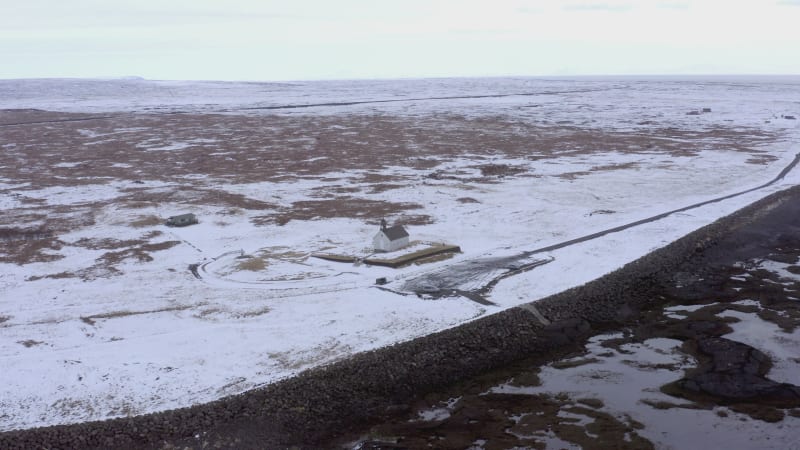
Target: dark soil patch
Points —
{"points": [[52, 276], [500, 170], [140, 252], [190, 195], [346, 207], [23, 252], [146, 221], [91, 320]]}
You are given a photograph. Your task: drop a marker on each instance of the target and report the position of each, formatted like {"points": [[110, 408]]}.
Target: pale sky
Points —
{"points": [[325, 39]]}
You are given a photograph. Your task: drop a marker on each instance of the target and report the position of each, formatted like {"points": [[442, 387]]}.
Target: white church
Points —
{"points": [[389, 239]]}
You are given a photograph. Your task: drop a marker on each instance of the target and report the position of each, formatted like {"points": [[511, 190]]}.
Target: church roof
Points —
{"points": [[396, 232]]}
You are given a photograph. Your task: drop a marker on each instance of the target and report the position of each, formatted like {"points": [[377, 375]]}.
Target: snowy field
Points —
{"points": [[100, 315]]}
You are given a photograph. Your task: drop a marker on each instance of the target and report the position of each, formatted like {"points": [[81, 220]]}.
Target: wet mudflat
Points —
{"points": [[715, 361]]}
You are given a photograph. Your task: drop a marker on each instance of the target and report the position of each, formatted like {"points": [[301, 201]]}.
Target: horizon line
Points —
{"points": [[402, 78]]}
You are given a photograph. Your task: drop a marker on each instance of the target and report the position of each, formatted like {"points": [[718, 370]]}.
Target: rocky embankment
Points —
{"points": [[320, 404]]}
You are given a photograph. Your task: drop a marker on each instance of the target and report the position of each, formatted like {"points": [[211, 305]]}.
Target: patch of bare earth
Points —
{"points": [[253, 264], [346, 207], [25, 246], [91, 320], [139, 250], [146, 221], [467, 200]]}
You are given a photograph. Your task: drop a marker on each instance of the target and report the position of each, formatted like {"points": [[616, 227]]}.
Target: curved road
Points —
{"points": [[780, 176]]}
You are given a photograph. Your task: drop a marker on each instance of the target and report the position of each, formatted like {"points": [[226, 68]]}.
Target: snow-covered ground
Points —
{"points": [[79, 341]]}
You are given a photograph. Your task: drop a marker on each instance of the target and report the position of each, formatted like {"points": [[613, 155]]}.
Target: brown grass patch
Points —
{"points": [[207, 312], [140, 253], [253, 264], [602, 211], [761, 159], [283, 253], [378, 178], [615, 166], [500, 170], [344, 207], [19, 234], [91, 320], [104, 243], [53, 276], [146, 221], [190, 195], [467, 200], [383, 187], [573, 175], [253, 313], [31, 251], [338, 189], [30, 343]]}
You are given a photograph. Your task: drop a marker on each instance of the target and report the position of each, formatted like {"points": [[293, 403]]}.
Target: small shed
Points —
{"points": [[181, 220], [389, 239]]}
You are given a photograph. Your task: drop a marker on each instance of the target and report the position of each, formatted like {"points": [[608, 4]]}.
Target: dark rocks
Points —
{"points": [[706, 328], [735, 372], [566, 331]]}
